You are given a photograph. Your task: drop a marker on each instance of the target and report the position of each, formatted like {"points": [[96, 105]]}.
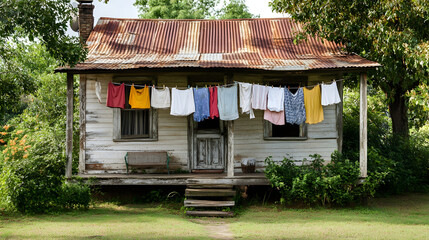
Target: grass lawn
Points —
{"points": [[400, 217]]}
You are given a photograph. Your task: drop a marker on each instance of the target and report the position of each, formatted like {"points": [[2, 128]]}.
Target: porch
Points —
{"points": [[176, 179]]}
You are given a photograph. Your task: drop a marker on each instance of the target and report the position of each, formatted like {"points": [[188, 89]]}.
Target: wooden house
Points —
{"points": [[198, 53]]}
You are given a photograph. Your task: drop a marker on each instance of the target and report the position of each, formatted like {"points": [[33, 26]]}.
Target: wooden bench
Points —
{"points": [[147, 159]]}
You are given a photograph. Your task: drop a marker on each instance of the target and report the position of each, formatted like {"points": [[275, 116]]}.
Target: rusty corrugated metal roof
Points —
{"points": [[265, 44]]}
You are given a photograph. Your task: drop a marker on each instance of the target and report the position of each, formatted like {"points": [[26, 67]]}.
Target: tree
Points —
{"points": [[235, 9], [44, 20], [175, 9], [192, 9], [391, 32]]}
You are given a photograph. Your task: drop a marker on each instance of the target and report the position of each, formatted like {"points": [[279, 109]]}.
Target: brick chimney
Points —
{"points": [[86, 19]]}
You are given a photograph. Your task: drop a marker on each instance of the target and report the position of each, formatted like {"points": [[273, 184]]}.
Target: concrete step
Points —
{"points": [[209, 192], [208, 203], [209, 214]]}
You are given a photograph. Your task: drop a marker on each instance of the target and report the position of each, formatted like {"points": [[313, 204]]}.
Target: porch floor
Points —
{"points": [[175, 179]]}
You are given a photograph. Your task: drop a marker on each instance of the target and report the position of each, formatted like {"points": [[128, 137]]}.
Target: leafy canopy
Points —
{"points": [[192, 9], [394, 33], [42, 20]]}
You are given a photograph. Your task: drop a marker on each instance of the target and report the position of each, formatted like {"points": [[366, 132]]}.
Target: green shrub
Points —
{"points": [[314, 183], [405, 160], [74, 195]]}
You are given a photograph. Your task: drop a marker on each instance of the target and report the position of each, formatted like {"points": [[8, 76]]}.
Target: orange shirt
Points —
{"points": [[139, 98], [313, 105]]}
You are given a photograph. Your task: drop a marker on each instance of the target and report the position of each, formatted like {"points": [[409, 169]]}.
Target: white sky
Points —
{"points": [[126, 9]]}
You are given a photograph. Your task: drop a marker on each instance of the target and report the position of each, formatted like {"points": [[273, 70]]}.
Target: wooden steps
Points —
{"points": [[209, 214], [209, 200], [208, 203]]}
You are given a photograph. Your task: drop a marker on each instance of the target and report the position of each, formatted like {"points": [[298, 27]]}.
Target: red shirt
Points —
{"points": [[214, 112], [115, 96]]}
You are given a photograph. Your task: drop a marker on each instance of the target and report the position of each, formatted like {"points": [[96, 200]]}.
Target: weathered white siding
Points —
{"points": [[104, 155]]}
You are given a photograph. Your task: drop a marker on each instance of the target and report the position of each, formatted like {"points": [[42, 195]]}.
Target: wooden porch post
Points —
{"points": [[363, 119], [82, 123], [69, 126], [230, 171]]}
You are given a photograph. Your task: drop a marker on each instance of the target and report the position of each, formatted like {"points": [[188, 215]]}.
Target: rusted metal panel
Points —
{"points": [[265, 44]]}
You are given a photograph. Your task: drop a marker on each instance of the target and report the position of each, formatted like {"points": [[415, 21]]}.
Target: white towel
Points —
{"points": [[276, 99], [182, 102], [98, 90], [259, 97], [160, 98], [330, 94], [246, 99]]}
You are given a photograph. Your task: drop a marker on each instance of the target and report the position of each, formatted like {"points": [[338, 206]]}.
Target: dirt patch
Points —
{"points": [[216, 228]]}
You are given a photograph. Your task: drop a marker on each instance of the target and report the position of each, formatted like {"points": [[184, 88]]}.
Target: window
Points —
{"points": [[287, 131], [134, 124]]}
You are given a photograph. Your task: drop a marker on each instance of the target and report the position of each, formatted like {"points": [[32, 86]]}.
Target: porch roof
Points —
{"points": [[259, 44]]}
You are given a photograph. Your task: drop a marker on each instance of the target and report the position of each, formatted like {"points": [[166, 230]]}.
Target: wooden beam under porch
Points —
{"points": [[175, 179]]}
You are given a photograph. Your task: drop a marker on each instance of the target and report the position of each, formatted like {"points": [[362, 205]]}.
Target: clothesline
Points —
{"points": [[224, 85]]}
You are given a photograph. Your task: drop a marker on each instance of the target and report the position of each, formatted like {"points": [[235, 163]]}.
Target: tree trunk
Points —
{"points": [[398, 113]]}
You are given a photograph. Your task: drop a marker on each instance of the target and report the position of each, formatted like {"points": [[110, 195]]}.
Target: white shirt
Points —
{"points": [[259, 97], [330, 94], [182, 102], [246, 99], [160, 98], [276, 99]]}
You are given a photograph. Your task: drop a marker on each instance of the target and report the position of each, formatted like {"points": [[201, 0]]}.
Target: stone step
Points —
{"points": [[208, 192], [208, 203], [209, 214]]}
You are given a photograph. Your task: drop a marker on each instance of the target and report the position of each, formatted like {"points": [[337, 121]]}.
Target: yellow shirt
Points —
{"points": [[139, 98], [313, 105]]}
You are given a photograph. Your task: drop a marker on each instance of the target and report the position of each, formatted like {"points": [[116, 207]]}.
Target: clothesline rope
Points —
{"points": [[224, 85]]}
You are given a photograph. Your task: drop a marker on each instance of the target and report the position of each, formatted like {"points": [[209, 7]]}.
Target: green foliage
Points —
{"points": [[192, 9], [405, 160], [315, 183], [44, 20], [235, 9], [391, 32], [19, 76], [33, 159], [175, 9]]}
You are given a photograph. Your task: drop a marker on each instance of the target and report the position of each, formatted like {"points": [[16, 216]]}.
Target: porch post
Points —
{"points": [[230, 171], [69, 126], [363, 119]]}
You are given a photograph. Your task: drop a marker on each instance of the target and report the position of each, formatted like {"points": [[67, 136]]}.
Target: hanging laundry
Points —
{"points": [[227, 103], [139, 98], [214, 112], [160, 98], [98, 90], [277, 118], [275, 99], [330, 94], [115, 96], [182, 102], [259, 97], [246, 99], [202, 104], [313, 105], [294, 107]]}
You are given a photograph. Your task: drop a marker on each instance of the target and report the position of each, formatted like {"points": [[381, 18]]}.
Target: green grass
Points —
{"points": [[106, 221], [400, 217]]}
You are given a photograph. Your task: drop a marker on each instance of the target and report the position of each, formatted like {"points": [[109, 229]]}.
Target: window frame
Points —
{"points": [[268, 126], [117, 113]]}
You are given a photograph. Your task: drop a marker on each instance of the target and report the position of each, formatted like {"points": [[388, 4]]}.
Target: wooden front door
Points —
{"points": [[208, 145]]}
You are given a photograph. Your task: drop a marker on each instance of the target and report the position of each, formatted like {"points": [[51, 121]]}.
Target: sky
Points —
{"points": [[126, 9]]}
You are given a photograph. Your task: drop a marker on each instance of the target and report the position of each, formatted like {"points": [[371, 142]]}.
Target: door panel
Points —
{"points": [[208, 144]]}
